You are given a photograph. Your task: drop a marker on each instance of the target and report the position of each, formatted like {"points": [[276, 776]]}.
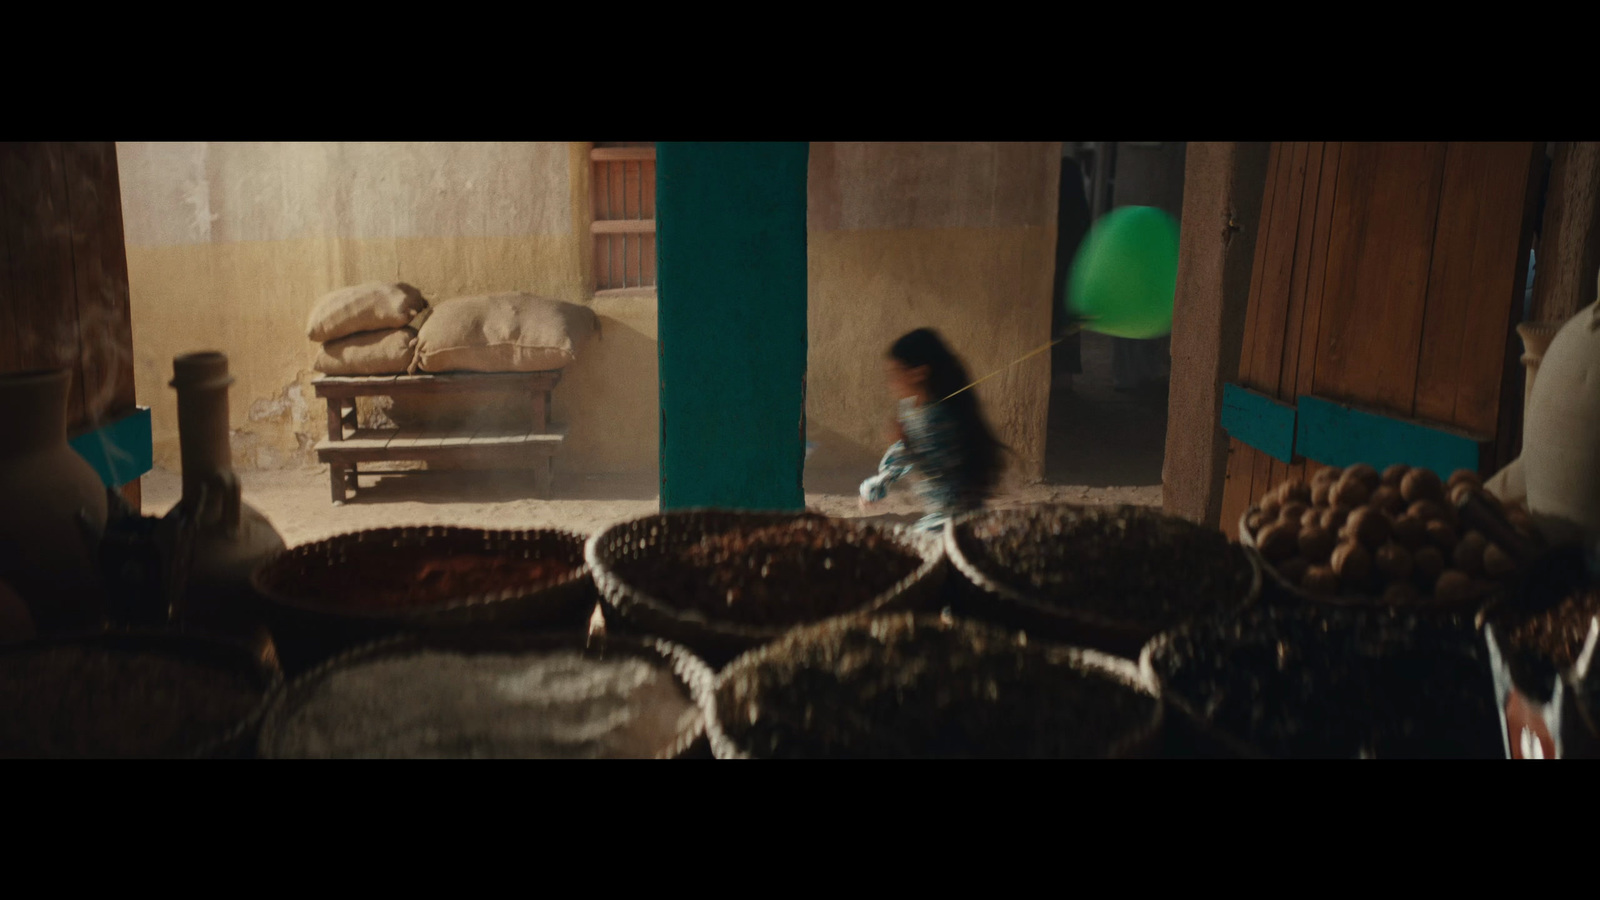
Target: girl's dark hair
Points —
{"points": [[981, 462]]}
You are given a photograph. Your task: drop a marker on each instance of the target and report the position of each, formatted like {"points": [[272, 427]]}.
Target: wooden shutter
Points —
{"points": [[624, 204]]}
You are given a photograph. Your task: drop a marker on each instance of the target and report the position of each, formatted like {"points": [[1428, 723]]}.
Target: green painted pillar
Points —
{"points": [[731, 257]]}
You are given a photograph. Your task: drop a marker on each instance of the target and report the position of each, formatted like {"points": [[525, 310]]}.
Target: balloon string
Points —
{"points": [[1072, 330]]}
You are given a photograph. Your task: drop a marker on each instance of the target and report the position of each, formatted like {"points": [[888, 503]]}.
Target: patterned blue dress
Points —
{"points": [[932, 451]]}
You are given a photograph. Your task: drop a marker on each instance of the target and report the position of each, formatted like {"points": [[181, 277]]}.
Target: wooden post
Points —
{"points": [[64, 279], [1223, 185], [1569, 241], [732, 323]]}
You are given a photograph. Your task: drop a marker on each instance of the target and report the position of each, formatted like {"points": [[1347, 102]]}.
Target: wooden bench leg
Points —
{"points": [[336, 478], [335, 419], [541, 412]]}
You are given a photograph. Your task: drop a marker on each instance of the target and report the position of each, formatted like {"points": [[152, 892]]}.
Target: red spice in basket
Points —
{"points": [[398, 581]]}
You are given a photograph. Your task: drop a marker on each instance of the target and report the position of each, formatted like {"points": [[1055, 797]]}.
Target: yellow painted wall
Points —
{"points": [[230, 245], [959, 237]]}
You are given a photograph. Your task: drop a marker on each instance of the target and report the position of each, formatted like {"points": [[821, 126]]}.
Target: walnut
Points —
{"points": [[1421, 484], [1326, 475], [1316, 543], [1430, 511], [1465, 476], [1365, 474], [1426, 564], [1334, 517], [1278, 541], [1387, 499], [1394, 561], [1294, 492], [1369, 526], [1453, 586], [1292, 513], [1411, 532], [1353, 563], [1395, 474], [1468, 555], [1319, 492], [1320, 580], [1442, 535], [1349, 491], [1497, 563]]}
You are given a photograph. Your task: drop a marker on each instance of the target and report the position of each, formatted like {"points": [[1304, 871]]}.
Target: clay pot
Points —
{"points": [[1561, 442], [52, 505], [217, 540], [1536, 338]]}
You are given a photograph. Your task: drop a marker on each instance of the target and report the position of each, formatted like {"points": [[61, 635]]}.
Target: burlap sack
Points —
{"points": [[365, 307], [369, 353], [502, 333]]}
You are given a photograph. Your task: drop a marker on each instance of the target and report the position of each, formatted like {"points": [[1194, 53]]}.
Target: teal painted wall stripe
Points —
{"points": [[121, 451], [1259, 421], [731, 321], [1338, 435]]}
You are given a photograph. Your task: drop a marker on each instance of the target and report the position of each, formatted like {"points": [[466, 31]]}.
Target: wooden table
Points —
{"points": [[347, 445]]}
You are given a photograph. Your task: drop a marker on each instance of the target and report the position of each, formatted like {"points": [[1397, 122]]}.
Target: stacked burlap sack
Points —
{"points": [[388, 329], [367, 329]]}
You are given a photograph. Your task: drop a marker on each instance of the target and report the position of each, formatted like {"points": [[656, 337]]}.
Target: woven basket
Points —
{"points": [[691, 673], [1150, 668], [1144, 742], [632, 608], [308, 632], [990, 600], [258, 664], [1155, 665], [1297, 594]]}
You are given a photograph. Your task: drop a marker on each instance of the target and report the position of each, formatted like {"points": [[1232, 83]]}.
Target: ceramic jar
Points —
{"points": [[1561, 440], [216, 539], [52, 506]]}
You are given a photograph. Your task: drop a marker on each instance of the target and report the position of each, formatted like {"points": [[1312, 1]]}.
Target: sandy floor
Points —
{"points": [[1103, 447], [297, 502]]}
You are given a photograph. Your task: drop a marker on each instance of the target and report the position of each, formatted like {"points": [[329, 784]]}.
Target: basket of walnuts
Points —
{"points": [[1396, 538]]}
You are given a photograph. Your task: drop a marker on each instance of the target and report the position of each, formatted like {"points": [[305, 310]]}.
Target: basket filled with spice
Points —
{"points": [[907, 686], [331, 595], [1402, 537], [723, 582], [1577, 706], [494, 695], [1107, 578], [1536, 633], [132, 695], [1309, 682]]}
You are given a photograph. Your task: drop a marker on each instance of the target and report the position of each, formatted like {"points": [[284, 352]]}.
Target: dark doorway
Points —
{"points": [[1108, 403]]}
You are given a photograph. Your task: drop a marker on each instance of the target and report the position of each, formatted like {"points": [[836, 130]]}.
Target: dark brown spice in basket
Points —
{"points": [[1557, 634], [900, 688], [1337, 683], [1126, 564], [778, 575], [390, 579], [86, 703]]}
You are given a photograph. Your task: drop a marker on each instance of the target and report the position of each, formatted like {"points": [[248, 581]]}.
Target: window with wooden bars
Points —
{"points": [[624, 206]]}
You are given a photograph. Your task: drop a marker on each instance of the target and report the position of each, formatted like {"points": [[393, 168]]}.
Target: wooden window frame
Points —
{"points": [[603, 224]]}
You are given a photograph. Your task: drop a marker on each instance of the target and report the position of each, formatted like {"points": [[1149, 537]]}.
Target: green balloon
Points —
{"points": [[1126, 274]]}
